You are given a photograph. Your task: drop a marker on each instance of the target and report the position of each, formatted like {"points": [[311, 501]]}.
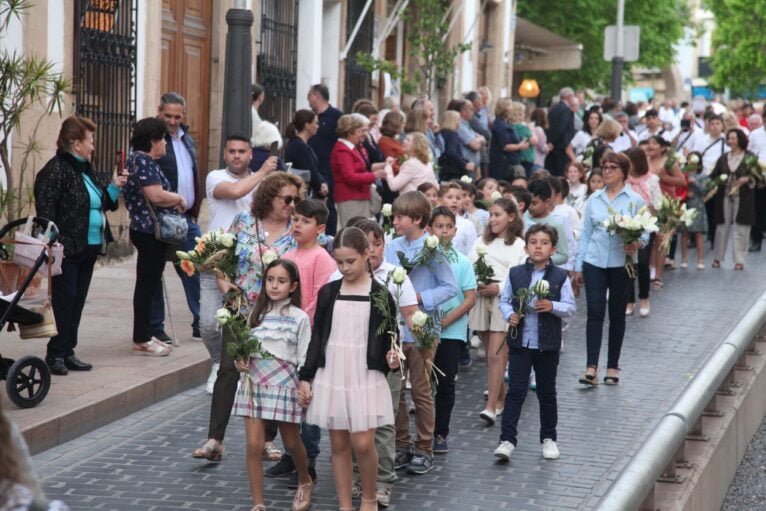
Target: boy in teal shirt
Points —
{"points": [[454, 332]]}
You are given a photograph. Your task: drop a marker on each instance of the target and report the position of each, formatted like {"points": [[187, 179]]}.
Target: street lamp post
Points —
{"points": [[619, 55], [238, 73]]}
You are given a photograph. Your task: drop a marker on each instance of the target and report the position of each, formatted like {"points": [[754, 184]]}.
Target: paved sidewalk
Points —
{"points": [[119, 383], [143, 461]]}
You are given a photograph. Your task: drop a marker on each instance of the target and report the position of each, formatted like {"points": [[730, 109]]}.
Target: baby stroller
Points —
{"points": [[28, 379]]}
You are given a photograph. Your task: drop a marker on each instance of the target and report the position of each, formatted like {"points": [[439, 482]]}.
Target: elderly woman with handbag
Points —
{"points": [[68, 194], [154, 226]]}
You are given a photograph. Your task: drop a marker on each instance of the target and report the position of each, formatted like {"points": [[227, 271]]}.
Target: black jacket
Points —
{"points": [[300, 154], [377, 345], [451, 162], [169, 167], [62, 197]]}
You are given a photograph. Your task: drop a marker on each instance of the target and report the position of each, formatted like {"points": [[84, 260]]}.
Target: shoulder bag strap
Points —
{"points": [[711, 145]]}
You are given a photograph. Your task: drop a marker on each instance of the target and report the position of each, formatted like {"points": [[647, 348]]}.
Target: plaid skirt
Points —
{"points": [[269, 391]]}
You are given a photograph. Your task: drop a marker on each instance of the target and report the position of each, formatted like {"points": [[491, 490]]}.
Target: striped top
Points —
{"points": [[285, 333]]}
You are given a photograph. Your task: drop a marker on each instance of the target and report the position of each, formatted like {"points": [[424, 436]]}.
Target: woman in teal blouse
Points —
{"points": [[68, 194]]}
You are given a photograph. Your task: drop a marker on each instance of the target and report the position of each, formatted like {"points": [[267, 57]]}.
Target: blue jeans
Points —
{"points": [[545, 364], [191, 287]]}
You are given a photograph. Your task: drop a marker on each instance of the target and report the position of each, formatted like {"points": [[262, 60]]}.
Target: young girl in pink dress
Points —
{"points": [[343, 381]]}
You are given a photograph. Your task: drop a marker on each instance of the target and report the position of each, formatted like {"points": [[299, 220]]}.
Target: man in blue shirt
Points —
{"points": [[535, 337], [434, 285], [323, 142]]}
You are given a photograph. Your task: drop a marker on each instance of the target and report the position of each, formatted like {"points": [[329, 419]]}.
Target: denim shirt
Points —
{"points": [[597, 246], [435, 281]]}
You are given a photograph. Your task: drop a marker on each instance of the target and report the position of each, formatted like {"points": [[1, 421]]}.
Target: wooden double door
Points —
{"points": [[187, 33]]}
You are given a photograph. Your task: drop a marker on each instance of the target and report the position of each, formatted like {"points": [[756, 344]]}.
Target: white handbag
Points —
{"points": [[27, 249]]}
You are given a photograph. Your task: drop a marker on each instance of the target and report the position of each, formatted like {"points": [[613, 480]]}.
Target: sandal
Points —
{"points": [[739, 267], [611, 380], [259, 507], [302, 499], [151, 349], [657, 284], [209, 452], [589, 379], [271, 453], [716, 263]]}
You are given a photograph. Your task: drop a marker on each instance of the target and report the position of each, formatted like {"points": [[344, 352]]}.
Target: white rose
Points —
{"points": [[432, 242], [481, 250], [227, 240], [466, 179], [222, 315], [419, 318], [268, 258], [387, 210], [398, 275], [542, 287], [694, 159], [681, 159], [496, 195]]}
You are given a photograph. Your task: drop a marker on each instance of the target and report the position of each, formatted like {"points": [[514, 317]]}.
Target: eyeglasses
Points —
{"points": [[289, 199], [610, 167]]}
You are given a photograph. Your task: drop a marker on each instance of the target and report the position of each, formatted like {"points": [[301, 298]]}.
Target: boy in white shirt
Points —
{"points": [[451, 195]]}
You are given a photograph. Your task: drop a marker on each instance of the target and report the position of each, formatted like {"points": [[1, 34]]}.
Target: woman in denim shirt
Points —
{"points": [[601, 264]]}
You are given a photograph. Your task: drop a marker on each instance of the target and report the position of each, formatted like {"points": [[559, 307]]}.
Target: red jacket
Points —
{"points": [[350, 176]]}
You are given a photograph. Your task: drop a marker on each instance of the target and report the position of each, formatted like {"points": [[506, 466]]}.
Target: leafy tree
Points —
{"points": [[662, 25], [426, 26], [739, 61], [25, 80]]}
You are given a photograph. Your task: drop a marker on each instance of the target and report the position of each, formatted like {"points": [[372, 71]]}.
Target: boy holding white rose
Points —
{"points": [[536, 297]]}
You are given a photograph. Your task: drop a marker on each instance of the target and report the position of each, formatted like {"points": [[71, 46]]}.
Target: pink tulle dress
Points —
{"points": [[347, 395]]}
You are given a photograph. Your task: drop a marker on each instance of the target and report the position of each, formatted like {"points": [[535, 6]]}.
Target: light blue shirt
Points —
{"points": [[562, 247], [436, 142], [597, 246], [434, 281], [465, 278], [565, 308], [466, 135], [185, 168]]}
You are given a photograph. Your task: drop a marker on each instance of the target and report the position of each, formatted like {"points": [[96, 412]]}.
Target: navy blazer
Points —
{"points": [[169, 167]]}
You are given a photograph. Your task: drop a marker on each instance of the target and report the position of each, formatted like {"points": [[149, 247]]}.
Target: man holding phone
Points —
{"points": [[687, 136], [180, 168]]}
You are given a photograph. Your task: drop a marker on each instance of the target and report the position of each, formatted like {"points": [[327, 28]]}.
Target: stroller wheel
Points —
{"points": [[28, 382]]}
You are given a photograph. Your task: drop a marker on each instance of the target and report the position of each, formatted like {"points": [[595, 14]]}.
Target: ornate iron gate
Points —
{"points": [[358, 81], [278, 60], [105, 74]]}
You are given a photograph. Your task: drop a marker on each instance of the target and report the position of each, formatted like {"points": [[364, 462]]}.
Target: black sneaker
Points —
{"points": [[420, 464], [282, 468], [293, 481], [162, 336], [196, 334], [465, 357], [402, 458], [440, 445]]}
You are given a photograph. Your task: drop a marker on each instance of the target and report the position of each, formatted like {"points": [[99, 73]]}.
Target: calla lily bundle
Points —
{"points": [[630, 228], [214, 252], [671, 214]]}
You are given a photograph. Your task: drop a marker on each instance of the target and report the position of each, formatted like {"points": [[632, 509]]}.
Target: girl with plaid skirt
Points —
{"points": [[268, 390]]}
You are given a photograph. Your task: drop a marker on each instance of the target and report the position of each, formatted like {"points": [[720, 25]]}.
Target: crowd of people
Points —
{"points": [[382, 243]]}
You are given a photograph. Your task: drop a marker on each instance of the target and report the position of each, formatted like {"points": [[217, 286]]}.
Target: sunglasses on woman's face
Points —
{"points": [[289, 199]]}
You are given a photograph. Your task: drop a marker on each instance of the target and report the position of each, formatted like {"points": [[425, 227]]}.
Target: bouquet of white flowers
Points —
{"points": [[214, 252], [671, 214], [630, 229]]}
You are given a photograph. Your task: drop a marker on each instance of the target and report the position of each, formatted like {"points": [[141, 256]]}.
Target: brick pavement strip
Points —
{"points": [[146, 465]]}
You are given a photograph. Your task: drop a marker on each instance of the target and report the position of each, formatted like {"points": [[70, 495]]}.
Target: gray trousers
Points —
{"points": [[741, 233], [351, 208]]}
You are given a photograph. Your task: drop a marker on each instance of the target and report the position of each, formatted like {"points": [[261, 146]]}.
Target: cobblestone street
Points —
{"points": [[143, 461]]}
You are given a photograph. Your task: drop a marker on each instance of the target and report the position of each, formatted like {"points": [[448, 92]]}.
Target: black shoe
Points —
{"points": [[57, 366], [196, 334], [75, 364], [465, 357], [293, 482], [162, 336], [755, 247], [282, 468]]}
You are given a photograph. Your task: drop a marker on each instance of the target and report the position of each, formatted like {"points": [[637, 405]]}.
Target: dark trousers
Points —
{"points": [[711, 225], [545, 364], [311, 435], [149, 267], [68, 299], [191, 286], [642, 274], [756, 233], [446, 358], [597, 282], [556, 162], [224, 391]]}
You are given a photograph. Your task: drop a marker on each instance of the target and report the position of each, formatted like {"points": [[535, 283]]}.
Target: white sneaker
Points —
{"points": [[488, 416], [550, 451], [211, 379], [504, 450], [499, 413], [475, 341]]}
